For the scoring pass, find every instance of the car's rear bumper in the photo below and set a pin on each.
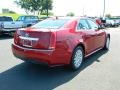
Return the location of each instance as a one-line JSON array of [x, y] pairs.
[[7, 30], [34, 55]]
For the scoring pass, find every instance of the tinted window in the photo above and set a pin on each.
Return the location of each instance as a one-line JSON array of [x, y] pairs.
[[21, 18], [6, 19], [50, 23], [28, 18], [34, 17], [82, 24], [92, 24], [31, 18]]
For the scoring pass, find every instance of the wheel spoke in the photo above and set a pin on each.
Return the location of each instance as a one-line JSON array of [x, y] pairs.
[[78, 58]]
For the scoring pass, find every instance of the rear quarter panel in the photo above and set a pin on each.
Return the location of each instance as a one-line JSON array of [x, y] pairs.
[[66, 42]]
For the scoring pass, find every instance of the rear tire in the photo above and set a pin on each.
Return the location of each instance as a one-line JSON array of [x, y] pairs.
[[77, 58]]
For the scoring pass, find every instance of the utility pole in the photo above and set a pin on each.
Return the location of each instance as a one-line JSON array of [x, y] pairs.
[[104, 7], [83, 11]]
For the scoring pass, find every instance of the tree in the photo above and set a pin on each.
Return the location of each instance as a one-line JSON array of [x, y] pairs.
[[45, 13], [35, 5], [108, 15], [70, 14], [12, 12], [46, 6]]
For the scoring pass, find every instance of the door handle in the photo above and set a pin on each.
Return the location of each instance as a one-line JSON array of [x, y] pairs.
[[90, 35], [93, 34]]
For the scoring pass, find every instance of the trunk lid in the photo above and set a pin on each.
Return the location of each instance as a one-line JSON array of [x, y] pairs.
[[36, 38]]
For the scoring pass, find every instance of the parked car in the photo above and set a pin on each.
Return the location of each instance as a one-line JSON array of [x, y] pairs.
[[7, 25], [28, 20], [112, 22], [60, 41]]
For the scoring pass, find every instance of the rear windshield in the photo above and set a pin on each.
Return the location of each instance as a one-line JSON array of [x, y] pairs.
[[6, 19], [51, 23]]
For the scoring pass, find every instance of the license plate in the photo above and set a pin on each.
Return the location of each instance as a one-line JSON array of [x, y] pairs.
[[27, 43]]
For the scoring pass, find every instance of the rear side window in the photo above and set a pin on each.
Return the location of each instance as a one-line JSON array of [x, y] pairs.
[[82, 24], [6, 19], [51, 23], [28, 18], [34, 17]]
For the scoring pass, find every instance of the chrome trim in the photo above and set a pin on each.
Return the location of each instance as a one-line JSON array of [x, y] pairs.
[[28, 38], [28, 46], [34, 49], [93, 52]]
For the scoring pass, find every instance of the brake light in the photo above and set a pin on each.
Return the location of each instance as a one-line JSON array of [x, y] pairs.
[[52, 40]]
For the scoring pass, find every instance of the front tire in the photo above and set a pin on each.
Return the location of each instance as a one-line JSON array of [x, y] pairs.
[[107, 43], [77, 58]]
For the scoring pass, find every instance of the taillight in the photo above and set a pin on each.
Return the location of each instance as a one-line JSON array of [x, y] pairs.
[[16, 36], [52, 40]]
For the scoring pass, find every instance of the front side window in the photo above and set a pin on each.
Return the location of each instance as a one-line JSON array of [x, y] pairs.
[[82, 24], [50, 23], [92, 24], [28, 18], [21, 18]]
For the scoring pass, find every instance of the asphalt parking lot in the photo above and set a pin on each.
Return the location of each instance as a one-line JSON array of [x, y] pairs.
[[101, 71]]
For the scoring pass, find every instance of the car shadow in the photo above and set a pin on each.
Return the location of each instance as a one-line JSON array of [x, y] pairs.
[[38, 77], [5, 36]]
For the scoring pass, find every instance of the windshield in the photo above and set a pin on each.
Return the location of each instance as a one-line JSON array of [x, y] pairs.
[[50, 23]]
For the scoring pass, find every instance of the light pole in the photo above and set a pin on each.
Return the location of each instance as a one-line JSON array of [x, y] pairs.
[[47, 7]]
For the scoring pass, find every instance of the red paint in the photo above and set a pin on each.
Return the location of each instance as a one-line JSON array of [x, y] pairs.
[[55, 47]]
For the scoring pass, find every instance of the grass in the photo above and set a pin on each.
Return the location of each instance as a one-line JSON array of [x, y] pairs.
[[14, 16]]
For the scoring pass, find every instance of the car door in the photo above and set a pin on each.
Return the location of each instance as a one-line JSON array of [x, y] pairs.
[[87, 35], [99, 34]]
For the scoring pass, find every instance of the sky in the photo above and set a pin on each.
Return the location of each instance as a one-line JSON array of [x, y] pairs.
[[78, 7]]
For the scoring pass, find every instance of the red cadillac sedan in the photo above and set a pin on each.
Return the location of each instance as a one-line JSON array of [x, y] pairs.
[[60, 41]]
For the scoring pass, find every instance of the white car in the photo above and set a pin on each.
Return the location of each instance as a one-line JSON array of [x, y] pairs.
[[112, 23], [8, 26]]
